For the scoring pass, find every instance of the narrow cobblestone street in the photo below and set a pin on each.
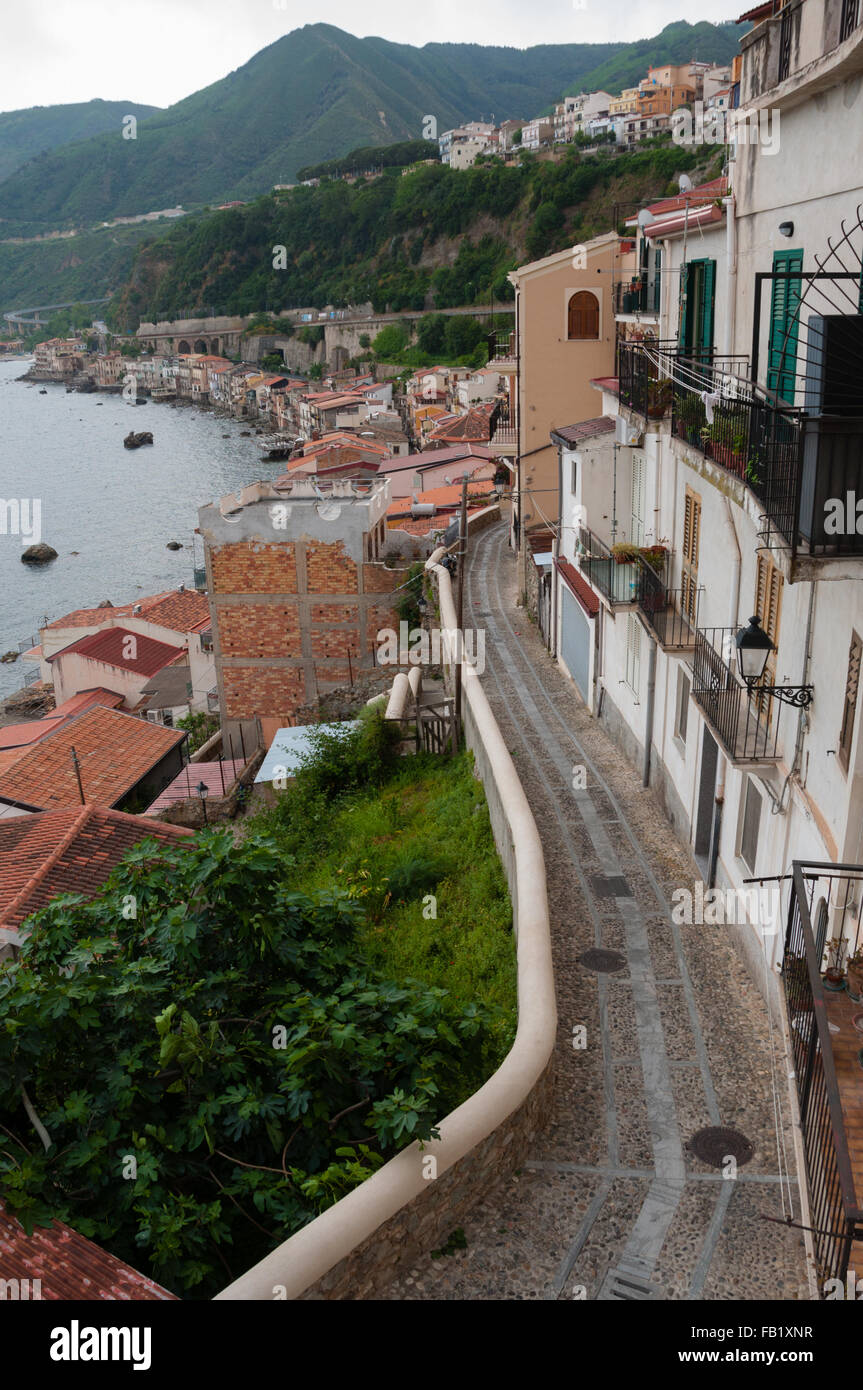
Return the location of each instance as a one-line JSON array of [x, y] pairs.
[[611, 1204]]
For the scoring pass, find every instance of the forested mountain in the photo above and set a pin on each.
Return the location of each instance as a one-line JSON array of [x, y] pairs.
[[25, 134], [311, 96], [436, 238]]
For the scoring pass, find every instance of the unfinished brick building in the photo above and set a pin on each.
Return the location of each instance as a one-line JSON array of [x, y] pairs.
[[298, 591]]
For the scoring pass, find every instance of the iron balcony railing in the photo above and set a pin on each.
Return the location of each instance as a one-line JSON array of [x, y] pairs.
[[747, 724], [502, 424], [825, 902], [849, 19], [644, 385], [503, 347], [616, 578], [666, 609], [637, 296], [799, 466]]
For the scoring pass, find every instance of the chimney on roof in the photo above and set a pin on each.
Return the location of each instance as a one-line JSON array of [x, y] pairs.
[[181, 588], [136, 607]]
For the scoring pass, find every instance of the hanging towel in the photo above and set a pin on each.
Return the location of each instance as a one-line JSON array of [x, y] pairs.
[[710, 399]]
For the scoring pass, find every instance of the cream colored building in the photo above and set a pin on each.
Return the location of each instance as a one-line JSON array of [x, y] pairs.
[[564, 339]]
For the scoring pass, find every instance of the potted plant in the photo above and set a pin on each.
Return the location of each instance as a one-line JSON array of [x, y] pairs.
[[796, 973], [854, 975], [625, 552], [655, 556], [690, 418], [834, 975], [658, 398]]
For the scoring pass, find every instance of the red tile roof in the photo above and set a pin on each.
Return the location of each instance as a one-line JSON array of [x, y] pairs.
[[86, 699], [714, 188], [114, 752], [22, 735], [178, 611], [124, 649], [585, 429], [171, 609], [69, 1266], [475, 425], [580, 587], [70, 851]]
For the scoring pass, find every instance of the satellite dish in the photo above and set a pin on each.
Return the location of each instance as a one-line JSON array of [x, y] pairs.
[[645, 217], [684, 183]]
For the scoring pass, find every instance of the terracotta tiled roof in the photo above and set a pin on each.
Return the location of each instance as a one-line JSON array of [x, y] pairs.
[[22, 735], [585, 429], [71, 851], [715, 188], [475, 424], [69, 1266], [89, 617], [580, 587], [178, 611], [171, 608], [86, 699], [111, 645], [114, 752]]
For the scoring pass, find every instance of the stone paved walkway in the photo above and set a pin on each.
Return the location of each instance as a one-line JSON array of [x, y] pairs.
[[676, 1041]]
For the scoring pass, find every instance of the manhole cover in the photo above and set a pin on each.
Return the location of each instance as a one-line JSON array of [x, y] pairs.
[[610, 886], [716, 1144], [604, 962]]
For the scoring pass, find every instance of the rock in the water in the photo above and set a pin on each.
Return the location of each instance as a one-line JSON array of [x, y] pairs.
[[134, 441], [245, 433], [38, 554], [173, 545], [9, 656]]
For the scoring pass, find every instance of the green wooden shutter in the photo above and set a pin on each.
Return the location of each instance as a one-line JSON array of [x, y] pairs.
[[657, 281], [705, 314], [784, 309]]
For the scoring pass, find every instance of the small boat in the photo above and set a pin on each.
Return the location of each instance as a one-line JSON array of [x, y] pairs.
[[44, 391]]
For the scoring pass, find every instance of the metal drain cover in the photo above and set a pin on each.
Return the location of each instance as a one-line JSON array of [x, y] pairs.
[[610, 886], [603, 962], [716, 1144]]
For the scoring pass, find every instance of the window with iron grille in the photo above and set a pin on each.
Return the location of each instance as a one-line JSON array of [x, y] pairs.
[[849, 708], [849, 20], [785, 44], [751, 824]]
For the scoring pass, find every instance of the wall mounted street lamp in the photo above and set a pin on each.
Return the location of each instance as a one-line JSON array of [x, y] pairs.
[[786, 228], [203, 792], [753, 648]]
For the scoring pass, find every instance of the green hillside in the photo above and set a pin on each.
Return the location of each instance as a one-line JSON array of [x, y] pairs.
[[677, 43], [69, 269], [25, 134], [436, 238], [311, 96]]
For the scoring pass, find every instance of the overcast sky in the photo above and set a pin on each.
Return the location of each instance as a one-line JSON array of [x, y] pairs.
[[158, 51]]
